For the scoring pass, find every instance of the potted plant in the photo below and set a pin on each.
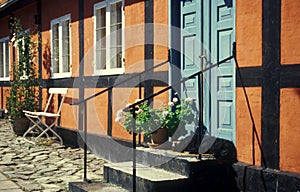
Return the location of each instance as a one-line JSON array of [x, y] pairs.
[[24, 84], [160, 123]]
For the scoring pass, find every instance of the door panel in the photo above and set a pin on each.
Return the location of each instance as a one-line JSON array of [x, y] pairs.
[[223, 89], [208, 27], [190, 48]]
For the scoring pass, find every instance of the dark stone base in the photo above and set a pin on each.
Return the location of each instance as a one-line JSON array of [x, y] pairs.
[[248, 178], [256, 179]]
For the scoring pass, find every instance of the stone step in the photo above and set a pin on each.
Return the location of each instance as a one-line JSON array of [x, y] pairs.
[[168, 160], [94, 186], [148, 179]]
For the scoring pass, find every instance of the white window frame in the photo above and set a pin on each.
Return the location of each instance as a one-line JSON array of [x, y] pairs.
[[59, 22], [108, 71], [5, 78]]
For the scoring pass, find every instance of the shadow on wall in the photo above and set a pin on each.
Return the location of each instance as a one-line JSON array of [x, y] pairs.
[[47, 68], [47, 59]]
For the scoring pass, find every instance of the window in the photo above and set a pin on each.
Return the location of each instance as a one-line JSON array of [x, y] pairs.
[[4, 58], [108, 17], [60, 47]]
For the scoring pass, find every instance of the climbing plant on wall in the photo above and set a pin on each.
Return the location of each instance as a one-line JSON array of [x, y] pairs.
[[23, 93]]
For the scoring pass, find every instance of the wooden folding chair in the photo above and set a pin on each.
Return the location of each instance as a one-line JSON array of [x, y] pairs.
[[39, 118]]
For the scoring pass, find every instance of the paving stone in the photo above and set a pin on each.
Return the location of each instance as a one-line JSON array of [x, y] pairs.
[[3, 145], [40, 158], [7, 162], [43, 167], [47, 170], [8, 185]]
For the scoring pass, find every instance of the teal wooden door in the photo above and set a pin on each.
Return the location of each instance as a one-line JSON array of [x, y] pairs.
[[223, 77], [190, 44], [190, 48], [208, 28]]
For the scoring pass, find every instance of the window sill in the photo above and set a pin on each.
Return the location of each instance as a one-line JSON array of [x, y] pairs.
[[61, 75], [4, 79], [107, 72]]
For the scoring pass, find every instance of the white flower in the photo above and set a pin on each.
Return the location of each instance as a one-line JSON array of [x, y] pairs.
[[24, 77], [175, 100], [5, 111], [120, 115], [171, 104], [139, 111], [118, 119], [165, 113]]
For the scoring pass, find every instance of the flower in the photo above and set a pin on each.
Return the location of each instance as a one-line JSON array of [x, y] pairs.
[[175, 100], [171, 104], [173, 117], [120, 115], [139, 111], [165, 113]]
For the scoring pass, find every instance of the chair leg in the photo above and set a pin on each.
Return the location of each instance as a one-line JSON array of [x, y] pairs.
[[35, 120], [49, 128]]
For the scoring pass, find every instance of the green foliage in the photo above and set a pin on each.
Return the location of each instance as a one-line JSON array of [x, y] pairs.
[[24, 86], [178, 115], [175, 116]]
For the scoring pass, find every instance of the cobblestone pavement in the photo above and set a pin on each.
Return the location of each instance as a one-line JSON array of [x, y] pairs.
[[45, 166]]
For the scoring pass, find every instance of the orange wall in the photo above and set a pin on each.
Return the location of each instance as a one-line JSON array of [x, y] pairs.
[[289, 130], [249, 54], [244, 124], [249, 32], [161, 32], [290, 36], [134, 36], [289, 97], [3, 1]]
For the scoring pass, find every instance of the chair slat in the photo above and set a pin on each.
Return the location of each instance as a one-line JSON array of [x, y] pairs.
[[58, 90]]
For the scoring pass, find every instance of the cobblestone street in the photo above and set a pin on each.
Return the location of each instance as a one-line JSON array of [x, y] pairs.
[[44, 166]]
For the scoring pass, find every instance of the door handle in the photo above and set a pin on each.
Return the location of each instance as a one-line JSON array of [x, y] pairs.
[[204, 59]]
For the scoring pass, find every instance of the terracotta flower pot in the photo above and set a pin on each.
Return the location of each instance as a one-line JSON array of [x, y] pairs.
[[160, 136], [20, 125]]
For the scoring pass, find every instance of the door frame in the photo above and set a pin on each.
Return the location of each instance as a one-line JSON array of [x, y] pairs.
[[174, 14]]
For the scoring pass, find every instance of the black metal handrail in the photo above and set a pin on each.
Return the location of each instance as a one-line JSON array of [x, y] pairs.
[[177, 83], [120, 83], [183, 80], [100, 93], [132, 107]]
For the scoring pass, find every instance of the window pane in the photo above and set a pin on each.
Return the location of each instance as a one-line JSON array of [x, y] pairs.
[[116, 35], [116, 13], [65, 46], [101, 18], [1, 59], [116, 57], [101, 59], [101, 38], [6, 59], [55, 48]]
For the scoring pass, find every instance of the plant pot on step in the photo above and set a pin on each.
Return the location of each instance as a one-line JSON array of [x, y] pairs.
[[20, 125], [160, 136]]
